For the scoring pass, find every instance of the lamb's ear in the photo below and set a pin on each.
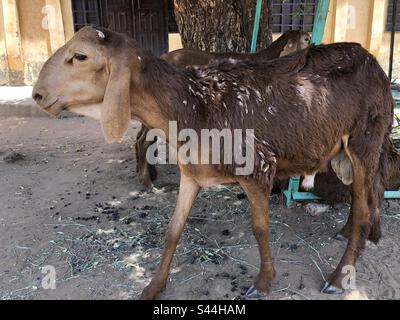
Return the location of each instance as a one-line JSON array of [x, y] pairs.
[[115, 111]]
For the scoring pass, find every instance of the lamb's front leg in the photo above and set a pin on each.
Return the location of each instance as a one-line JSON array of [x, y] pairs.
[[188, 192], [259, 198]]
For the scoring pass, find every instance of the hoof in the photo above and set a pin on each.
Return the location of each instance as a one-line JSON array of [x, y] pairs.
[[340, 237], [153, 173], [147, 296], [150, 294], [153, 290], [145, 181], [145, 187], [253, 293], [331, 289]]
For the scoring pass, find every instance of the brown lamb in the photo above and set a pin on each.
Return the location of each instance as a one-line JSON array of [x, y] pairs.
[[305, 109]]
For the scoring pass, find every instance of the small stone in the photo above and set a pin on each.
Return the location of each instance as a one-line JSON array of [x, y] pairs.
[[134, 195], [12, 157], [243, 269], [316, 209], [116, 245], [143, 215], [241, 196]]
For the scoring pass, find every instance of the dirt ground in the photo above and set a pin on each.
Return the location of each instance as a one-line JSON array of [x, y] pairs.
[[74, 203]]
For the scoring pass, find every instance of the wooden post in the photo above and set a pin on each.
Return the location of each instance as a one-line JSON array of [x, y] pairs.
[[12, 37], [340, 20], [320, 21], [377, 26], [68, 19], [256, 29], [392, 38], [4, 72], [55, 24]]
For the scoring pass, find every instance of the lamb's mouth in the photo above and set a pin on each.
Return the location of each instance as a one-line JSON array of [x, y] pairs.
[[88, 110], [92, 110], [54, 108], [50, 105]]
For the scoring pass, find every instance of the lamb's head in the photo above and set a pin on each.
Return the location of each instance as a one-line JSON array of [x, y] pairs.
[[92, 75], [296, 40]]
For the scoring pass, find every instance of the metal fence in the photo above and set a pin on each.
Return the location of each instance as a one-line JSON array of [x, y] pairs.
[[293, 15]]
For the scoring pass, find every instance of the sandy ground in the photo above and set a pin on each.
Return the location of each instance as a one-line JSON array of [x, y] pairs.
[[74, 203]]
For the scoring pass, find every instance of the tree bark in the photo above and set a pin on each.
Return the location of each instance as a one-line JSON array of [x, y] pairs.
[[221, 25]]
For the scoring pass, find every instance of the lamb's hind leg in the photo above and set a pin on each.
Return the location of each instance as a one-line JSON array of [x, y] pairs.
[[345, 232], [259, 199], [360, 225], [187, 194], [375, 200], [375, 203]]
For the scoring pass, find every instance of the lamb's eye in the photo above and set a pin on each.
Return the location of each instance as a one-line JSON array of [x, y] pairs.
[[80, 57]]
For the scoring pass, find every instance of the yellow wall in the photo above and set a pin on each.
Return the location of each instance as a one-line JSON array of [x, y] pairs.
[[3, 52], [68, 20], [175, 41], [26, 40], [25, 44]]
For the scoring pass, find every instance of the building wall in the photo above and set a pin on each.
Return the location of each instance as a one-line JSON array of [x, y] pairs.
[[26, 41], [30, 31], [175, 41]]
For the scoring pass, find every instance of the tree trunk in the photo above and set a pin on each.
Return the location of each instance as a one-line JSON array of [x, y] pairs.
[[221, 25]]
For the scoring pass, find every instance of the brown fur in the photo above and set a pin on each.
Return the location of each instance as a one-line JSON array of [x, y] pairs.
[[301, 107], [287, 43]]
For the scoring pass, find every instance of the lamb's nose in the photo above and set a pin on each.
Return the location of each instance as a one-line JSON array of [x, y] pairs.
[[37, 97]]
